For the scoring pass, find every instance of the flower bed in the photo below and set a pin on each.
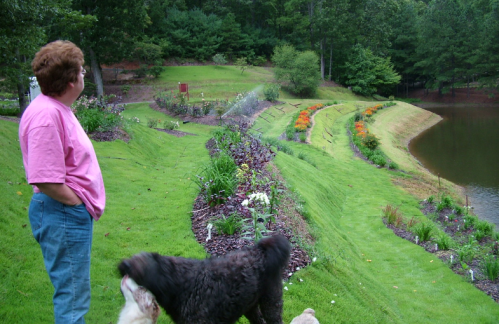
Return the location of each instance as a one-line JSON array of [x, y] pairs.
[[302, 122], [366, 142]]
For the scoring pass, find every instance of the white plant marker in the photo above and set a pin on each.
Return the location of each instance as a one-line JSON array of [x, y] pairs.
[[436, 247], [209, 227], [472, 278], [417, 240], [451, 259]]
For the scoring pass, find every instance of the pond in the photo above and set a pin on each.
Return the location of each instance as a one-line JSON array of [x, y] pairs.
[[464, 148]]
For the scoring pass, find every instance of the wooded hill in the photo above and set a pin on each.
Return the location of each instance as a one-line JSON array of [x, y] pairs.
[[441, 44]]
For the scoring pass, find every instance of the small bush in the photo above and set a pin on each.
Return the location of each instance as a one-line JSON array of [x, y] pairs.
[[370, 141], [152, 122], [423, 231], [485, 227], [444, 241], [10, 109], [156, 71], [303, 137], [490, 266], [228, 225], [219, 59], [378, 160], [392, 165], [271, 91], [391, 213], [171, 125], [445, 202], [430, 199], [218, 179]]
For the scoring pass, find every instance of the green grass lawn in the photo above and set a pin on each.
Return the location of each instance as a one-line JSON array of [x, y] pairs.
[[372, 275]]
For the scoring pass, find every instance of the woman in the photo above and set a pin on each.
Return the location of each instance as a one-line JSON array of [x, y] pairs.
[[61, 164]]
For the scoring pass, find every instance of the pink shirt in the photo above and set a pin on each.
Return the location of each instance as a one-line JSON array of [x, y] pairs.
[[56, 149]]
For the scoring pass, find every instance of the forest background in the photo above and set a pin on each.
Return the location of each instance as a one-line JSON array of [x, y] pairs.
[[438, 44]]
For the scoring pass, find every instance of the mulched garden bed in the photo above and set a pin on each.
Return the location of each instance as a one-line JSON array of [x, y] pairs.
[[456, 230]]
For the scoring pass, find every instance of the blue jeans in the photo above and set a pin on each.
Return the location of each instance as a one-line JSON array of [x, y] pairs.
[[65, 237]]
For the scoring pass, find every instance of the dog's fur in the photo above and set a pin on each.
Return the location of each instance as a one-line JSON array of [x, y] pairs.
[[216, 290], [140, 305], [307, 317]]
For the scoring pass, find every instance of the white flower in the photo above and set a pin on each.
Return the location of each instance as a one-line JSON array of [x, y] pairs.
[[285, 288], [332, 301], [301, 280], [245, 202], [314, 259]]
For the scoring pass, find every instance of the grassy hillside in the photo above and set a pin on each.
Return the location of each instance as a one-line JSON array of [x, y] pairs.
[[363, 272]]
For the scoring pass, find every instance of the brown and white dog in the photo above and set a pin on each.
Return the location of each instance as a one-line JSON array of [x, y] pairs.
[[140, 305]]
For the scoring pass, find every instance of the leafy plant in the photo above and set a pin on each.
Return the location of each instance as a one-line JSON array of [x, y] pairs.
[[152, 122], [423, 230], [218, 181], [271, 91], [370, 141], [445, 202], [490, 266], [156, 71], [228, 225], [219, 59], [125, 89], [391, 213], [444, 241], [258, 219]]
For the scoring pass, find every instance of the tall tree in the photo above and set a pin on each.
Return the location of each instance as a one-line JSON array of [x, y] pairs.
[[112, 36], [23, 25]]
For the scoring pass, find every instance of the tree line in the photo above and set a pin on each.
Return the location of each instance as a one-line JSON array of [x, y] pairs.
[[370, 45]]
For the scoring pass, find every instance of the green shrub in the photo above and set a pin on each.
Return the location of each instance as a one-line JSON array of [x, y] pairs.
[[370, 141], [156, 71], [219, 59], [391, 213], [466, 253], [170, 124], [485, 227], [152, 122], [392, 165], [490, 267], [228, 225], [430, 199], [378, 159], [10, 109], [303, 137], [142, 71], [445, 202], [470, 221], [444, 241], [423, 231], [218, 179], [271, 91], [259, 61]]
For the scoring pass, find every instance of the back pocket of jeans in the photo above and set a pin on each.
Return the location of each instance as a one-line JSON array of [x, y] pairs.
[[35, 213]]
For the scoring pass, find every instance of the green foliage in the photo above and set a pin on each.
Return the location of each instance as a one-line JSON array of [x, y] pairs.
[[228, 225], [297, 71], [218, 179], [391, 214], [242, 64], [9, 109], [156, 71], [271, 91], [152, 122], [444, 241], [490, 267], [147, 52], [125, 88], [445, 202], [367, 73], [423, 230], [370, 141], [96, 114], [170, 124], [219, 59]]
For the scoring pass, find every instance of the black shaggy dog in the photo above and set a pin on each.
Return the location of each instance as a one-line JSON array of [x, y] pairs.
[[216, 290]]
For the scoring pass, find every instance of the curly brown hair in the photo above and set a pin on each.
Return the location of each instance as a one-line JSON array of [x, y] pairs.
[[57, 64]]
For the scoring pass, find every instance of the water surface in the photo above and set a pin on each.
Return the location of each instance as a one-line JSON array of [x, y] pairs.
[[464, 148]]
